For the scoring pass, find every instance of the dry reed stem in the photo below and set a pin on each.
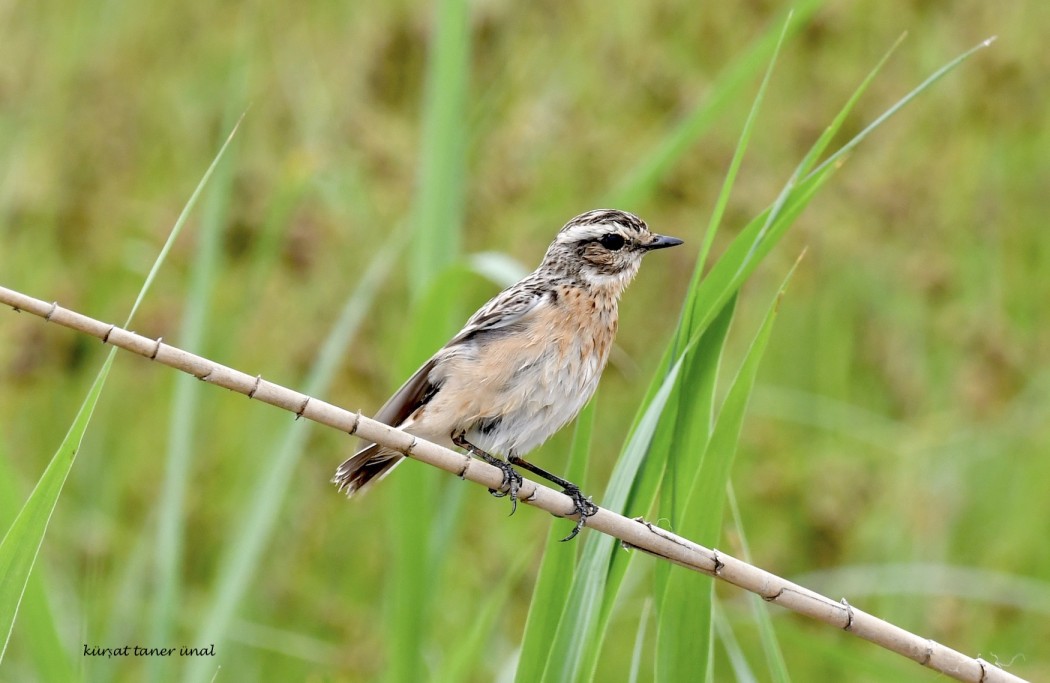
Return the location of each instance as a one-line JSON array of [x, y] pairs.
[[633, 533]]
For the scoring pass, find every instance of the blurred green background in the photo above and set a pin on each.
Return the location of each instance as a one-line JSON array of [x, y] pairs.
[[896, 449]]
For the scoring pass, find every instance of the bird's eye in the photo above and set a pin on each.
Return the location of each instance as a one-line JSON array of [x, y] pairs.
[[612, 241]]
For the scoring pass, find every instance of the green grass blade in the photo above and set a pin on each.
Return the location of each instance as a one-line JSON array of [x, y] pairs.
[[36, 615], [575, 639], [416, 539], [696, 414], [633, 486], [639, 185], [643, 485], [915, 92], [23, 539], [639, 641], [746, 251], [176, 230], [687, 601], [696, 408], [763, 232], [555, 577], [652, 473], [124, 608], [21, 544], [737, 660], [734, 165], [462, 652], [252, 531], [436, 245], [814, 153], [683, 445], [778, 671], [439, 204], [170, 530]]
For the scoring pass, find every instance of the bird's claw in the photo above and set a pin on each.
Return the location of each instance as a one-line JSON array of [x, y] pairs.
[[583, 507], [510, 485], [511, 479]]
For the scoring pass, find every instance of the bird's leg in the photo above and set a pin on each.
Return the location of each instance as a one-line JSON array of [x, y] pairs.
[[511, 479], [584, 507]]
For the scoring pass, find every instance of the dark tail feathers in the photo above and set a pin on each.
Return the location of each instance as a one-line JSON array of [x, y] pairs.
[[367, 465]]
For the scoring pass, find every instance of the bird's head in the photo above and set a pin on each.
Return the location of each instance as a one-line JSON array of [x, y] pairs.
[[604, 248]]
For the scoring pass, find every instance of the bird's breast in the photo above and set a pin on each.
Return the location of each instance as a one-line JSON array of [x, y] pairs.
[[512, 391]]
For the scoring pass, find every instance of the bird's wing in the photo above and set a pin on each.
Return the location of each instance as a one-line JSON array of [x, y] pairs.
[[372, 462], [504, 310], [507, 308], [416, 391]]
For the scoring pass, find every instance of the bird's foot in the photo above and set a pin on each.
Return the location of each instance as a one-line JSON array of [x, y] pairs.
[[512, 480], [583, 507], [510, 485]]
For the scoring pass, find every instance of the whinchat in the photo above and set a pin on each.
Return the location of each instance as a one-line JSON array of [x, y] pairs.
[[526, 363]]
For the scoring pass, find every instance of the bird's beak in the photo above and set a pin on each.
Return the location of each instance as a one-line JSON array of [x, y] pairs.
[[662, 242]]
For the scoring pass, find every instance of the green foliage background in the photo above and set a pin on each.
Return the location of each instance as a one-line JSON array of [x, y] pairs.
[[895, 449]]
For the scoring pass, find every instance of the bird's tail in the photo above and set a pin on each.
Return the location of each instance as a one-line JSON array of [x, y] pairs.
[[365, 467]]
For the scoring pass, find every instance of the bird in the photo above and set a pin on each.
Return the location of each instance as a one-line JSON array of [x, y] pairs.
[[524, 364]]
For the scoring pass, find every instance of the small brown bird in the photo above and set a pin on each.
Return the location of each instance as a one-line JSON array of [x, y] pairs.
[[526, 363]]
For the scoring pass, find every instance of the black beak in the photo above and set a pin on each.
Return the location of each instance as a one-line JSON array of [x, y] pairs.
[[662, 242]]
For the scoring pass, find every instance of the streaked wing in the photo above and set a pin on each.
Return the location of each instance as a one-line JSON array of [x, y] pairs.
[[504, 310], [416, 391], [507, 308]]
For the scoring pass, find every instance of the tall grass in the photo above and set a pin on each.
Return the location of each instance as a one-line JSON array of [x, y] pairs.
[[21, 543], [691, 442], [437, 224]]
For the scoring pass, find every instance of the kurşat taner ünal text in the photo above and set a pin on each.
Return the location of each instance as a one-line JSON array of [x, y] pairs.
[[137, 651]]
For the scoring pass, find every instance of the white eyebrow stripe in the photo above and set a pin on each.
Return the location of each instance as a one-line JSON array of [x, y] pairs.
[[591, 231]]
